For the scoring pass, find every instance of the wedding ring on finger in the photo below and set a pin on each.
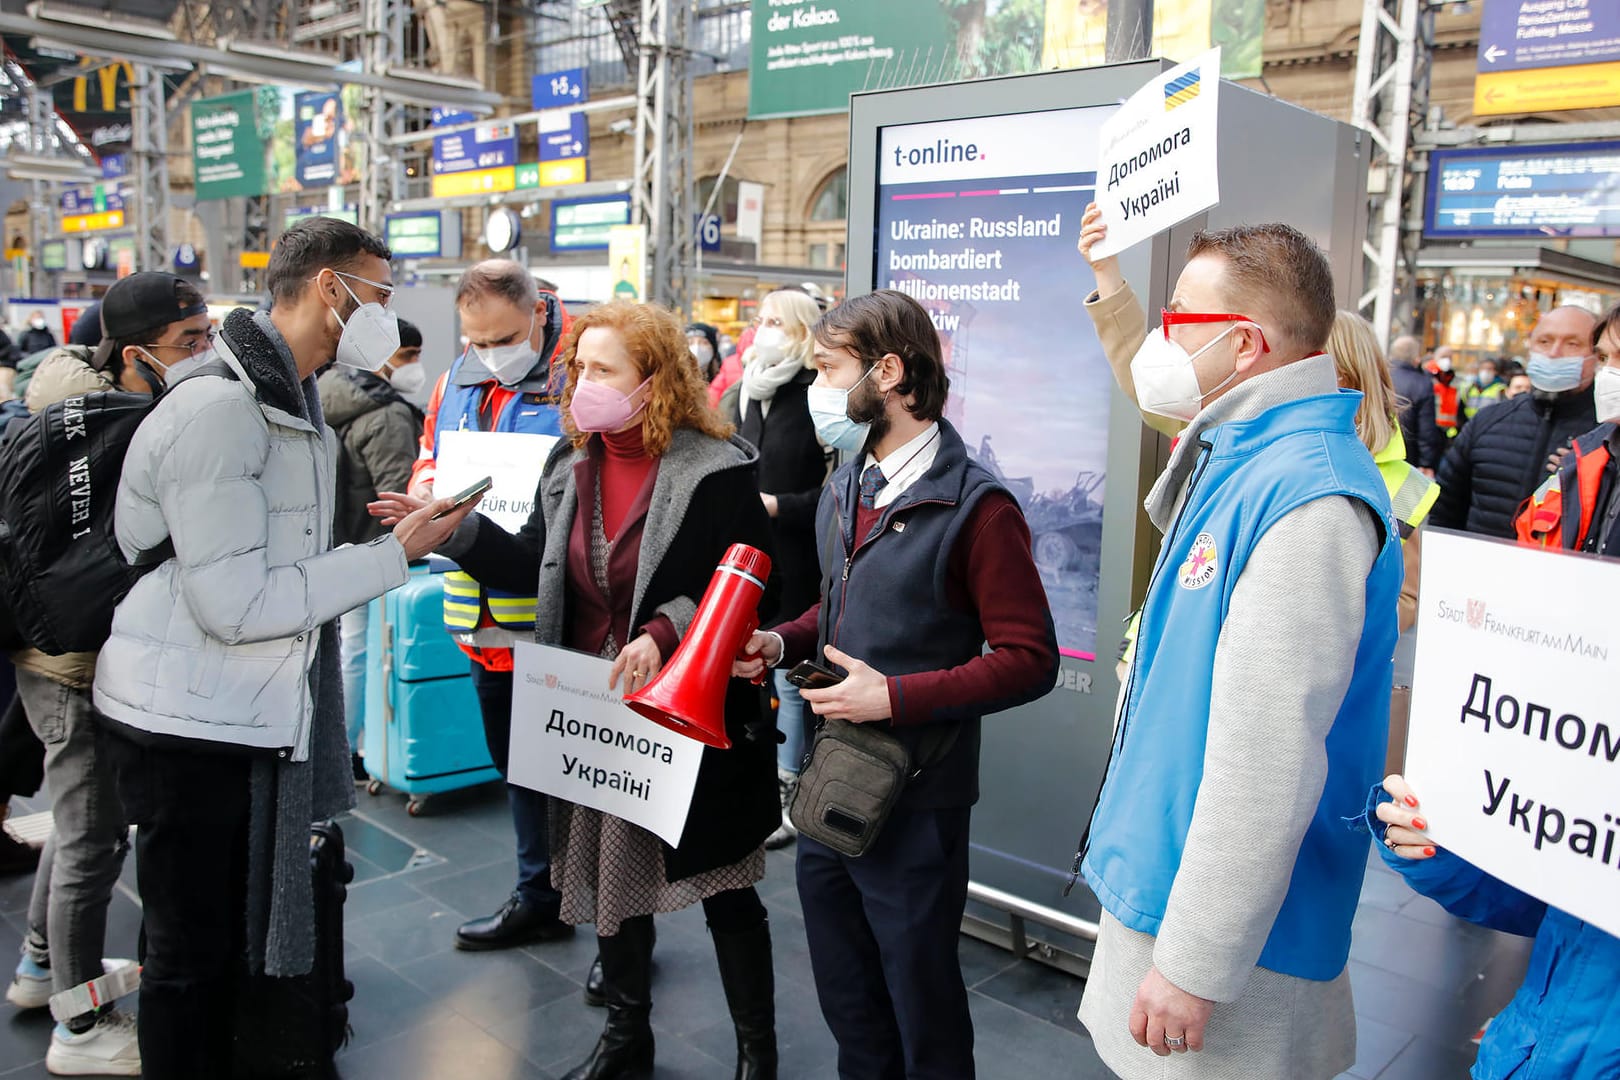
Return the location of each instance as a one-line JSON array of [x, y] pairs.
[[1389, 841], [1176, 1042]]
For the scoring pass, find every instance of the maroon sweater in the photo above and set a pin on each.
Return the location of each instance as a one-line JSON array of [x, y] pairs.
[[982, 577], [621, 465]]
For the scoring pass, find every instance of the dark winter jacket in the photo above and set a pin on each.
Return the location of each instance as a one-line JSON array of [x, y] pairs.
[[1500, 458], [377, 430], [1424, 441], [793, 467], [36, 340], [705, 499]]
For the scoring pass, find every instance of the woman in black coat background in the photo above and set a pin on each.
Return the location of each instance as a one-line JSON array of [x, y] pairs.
[[773, 415]]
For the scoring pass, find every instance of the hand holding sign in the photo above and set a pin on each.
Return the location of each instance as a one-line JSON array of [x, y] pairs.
[[1094, 230], [1405, 835]]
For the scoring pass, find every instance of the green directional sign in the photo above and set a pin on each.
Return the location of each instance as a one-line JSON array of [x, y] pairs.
[[528, 176]]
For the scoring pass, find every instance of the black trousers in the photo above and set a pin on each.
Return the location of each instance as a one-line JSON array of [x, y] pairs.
[[883, 933], [529, 815], [191, 854]]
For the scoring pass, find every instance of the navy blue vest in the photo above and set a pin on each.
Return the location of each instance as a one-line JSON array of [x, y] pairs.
[[885, 599]]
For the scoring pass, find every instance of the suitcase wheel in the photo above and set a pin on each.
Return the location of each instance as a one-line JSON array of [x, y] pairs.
[[374, 787], [416, 807]]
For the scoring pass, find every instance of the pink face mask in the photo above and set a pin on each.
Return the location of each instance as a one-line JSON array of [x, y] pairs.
[[599, 407]]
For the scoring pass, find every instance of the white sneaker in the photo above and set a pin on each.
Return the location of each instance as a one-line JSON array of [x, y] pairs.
[[108, 1049], [31, 986]]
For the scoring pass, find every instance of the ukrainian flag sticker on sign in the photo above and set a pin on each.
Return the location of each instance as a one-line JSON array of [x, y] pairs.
[[1182, 90]]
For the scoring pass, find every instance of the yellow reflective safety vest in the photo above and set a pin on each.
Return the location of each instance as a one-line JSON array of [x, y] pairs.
[[1411, 494], [520, 411], [1483, 397]]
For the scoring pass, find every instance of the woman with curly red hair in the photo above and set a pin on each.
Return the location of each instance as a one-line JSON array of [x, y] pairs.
[[634, 510]]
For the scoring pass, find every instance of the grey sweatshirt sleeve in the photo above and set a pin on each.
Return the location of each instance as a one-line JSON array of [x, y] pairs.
[[1296, 613]]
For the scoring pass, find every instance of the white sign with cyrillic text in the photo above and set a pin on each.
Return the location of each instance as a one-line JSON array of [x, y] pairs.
[[1158, 164], [512, 458], [572, 737], [1514, 744]]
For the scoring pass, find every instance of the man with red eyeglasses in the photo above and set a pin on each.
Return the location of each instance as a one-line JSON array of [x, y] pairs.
[[1256, 706]]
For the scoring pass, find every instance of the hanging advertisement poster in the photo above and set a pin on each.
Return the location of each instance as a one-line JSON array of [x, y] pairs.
[[810, 55], [1076, 33], [627, 259], [232, 143], [317, 137], [978, 221]]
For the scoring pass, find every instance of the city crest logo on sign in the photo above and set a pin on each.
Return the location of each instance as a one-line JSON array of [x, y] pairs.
[[1201, 565], [551, 682], [1476, 614]]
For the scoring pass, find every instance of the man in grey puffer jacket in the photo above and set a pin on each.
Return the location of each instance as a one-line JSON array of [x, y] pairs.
[[222, 671]]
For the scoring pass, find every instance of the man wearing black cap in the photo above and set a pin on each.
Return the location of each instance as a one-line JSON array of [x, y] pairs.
[[153, 322]]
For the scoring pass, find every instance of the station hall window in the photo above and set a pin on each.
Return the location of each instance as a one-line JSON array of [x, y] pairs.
[[725, 207], [832, 199]]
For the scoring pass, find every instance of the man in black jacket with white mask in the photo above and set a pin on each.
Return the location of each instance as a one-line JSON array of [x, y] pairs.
[[1502, 456]]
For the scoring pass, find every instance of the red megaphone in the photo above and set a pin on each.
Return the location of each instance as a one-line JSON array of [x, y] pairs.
[[689, 695]]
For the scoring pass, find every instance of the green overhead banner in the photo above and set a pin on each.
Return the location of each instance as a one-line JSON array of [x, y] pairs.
[[233, 143], [810, 55]]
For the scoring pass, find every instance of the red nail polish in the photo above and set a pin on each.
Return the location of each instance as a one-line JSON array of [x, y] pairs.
[[1411, 800], [1428, 851], [1419, 823]]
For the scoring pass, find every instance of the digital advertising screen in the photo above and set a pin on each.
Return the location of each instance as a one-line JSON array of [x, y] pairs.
[[978, 220]]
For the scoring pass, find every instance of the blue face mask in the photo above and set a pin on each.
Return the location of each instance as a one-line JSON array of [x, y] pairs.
[[1555, 374], [829, 412]]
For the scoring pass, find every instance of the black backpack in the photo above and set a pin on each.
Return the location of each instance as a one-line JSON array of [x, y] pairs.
[[61, 571]]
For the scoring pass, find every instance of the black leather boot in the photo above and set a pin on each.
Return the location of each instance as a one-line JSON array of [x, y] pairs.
[[593, 979], [750, 984], [625, 1050]]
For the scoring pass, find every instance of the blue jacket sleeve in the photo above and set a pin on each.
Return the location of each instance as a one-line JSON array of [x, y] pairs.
[[1459, 886]]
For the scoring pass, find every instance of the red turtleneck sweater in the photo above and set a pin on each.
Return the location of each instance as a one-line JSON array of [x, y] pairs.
[[625, 467]]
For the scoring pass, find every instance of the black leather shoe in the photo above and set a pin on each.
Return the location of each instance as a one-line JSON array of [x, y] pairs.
[[517, 923]]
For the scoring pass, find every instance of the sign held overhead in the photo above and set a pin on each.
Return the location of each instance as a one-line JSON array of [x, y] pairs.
[[1158, 162]]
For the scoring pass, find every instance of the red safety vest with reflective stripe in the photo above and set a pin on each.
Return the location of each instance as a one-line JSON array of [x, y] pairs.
[[1559, 514]]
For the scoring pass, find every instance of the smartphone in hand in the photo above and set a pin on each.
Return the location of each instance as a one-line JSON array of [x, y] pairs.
[[467, 496], [813, 676]]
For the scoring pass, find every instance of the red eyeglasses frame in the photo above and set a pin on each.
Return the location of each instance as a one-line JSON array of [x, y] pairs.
[[1168, 318]]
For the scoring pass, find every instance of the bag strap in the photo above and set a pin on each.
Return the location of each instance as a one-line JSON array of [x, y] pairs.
[[827, 578], [938, 739]]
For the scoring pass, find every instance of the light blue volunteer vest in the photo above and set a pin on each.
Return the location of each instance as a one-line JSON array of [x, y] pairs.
[[1250, 474]]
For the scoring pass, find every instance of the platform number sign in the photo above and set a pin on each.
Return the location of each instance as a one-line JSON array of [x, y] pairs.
[[708, 231], [554, 89]]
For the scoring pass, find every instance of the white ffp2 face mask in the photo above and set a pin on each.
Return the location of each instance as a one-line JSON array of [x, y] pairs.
[[408, 378], [1165, 379], [509, 363], [1606, 394], [370, 334]]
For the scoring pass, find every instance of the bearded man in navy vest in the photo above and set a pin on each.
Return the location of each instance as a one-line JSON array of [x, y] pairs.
[[925, 560], [1256, 712]]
